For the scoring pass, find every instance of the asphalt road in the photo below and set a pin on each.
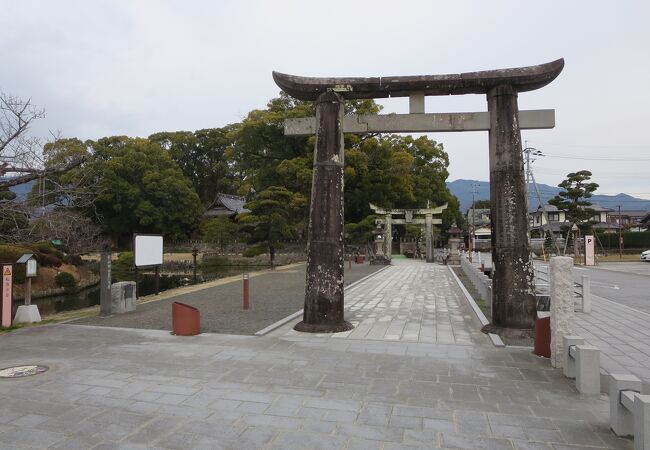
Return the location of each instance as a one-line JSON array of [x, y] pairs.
[[274, 295], [627, 283]]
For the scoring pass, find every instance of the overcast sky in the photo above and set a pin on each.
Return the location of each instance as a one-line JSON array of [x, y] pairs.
[[133, 68]]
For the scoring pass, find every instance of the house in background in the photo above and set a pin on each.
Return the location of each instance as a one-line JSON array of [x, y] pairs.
[[480, 228], [631, 219], [557, 219], [226, 205], [645, 222]]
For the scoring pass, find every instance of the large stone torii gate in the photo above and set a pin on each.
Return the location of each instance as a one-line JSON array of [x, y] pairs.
[[513, 295]]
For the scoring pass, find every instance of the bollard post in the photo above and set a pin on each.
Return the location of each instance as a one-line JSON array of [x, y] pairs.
[[586, 294], [588, 369], [621, 420], [350, 262], [246, 300], [569, 363]]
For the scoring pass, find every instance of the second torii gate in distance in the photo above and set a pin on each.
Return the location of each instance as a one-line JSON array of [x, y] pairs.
[[409, 214], [513, 302]]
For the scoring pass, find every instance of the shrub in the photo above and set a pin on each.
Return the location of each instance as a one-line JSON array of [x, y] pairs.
[[11, 253], [75, 260], [65, 280], [124, 262], [255, 251]]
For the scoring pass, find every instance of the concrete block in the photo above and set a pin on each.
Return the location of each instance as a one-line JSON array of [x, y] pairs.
[[27, 314], [621, 420], [642, 422], [122, 297], [588, 369], [568, 363], [562, 305]]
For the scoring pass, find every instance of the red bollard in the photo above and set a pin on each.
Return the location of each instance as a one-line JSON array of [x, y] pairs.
[[186, 320], [246, 302], [543, 335]]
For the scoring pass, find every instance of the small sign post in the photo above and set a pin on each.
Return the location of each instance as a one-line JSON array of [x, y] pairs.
[[7, 286], [590, 259], [148, 252]]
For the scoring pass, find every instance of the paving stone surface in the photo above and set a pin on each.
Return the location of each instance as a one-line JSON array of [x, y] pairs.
[[389, 384], [621, 333], [116, 388], [410, 301]]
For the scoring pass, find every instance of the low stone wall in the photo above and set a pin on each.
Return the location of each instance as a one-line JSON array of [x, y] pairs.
[[481, 282]]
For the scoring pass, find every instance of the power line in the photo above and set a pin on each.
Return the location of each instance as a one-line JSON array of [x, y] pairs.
[[595, 158], [613, 146]]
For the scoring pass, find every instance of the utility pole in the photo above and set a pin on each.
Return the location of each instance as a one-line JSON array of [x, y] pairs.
[[620, 234], [472, 230]]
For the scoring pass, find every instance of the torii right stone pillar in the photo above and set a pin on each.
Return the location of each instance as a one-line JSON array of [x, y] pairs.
[[513, 297]]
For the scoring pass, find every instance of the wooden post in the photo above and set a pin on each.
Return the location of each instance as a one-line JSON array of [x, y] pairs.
[[105, 283], [513, 298], [157, 280], [28, 291], [323, 311]]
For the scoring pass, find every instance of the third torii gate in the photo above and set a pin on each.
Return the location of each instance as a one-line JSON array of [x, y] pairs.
[[513, 295], [409, 214]]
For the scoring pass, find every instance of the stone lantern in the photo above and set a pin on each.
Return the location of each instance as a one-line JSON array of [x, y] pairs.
[[454, 242], [379, 241]]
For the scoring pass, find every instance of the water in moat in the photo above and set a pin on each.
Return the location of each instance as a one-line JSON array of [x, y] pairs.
[[84, 298]]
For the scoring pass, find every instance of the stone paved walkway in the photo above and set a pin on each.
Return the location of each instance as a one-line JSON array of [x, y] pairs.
[[410, 301], [115, 388], [118, 388], [621, 333]]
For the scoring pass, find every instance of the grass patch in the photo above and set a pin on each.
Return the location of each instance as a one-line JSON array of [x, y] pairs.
[[528, 342], [26, 325]]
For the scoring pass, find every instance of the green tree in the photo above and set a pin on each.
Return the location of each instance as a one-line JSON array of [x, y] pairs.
[[483, 204], [220, 229], [270, 220], [201, 157], [141, 189], [574, 201]]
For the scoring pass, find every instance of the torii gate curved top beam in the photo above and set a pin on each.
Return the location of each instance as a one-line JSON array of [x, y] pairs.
[[522, 79]]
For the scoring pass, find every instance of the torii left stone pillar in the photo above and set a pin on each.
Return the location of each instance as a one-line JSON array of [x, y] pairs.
[[323, 310]]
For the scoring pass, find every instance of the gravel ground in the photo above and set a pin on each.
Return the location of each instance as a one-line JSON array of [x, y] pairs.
[[274, 295]]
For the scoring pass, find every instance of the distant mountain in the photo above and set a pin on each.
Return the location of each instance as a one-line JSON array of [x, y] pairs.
[[462, 189]]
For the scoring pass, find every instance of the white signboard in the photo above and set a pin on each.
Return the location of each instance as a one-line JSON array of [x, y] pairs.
[[148, 250], [590, 260], [30, 270]]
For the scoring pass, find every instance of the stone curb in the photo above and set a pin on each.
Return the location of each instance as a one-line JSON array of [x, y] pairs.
[[281, 322], [496, 339]]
